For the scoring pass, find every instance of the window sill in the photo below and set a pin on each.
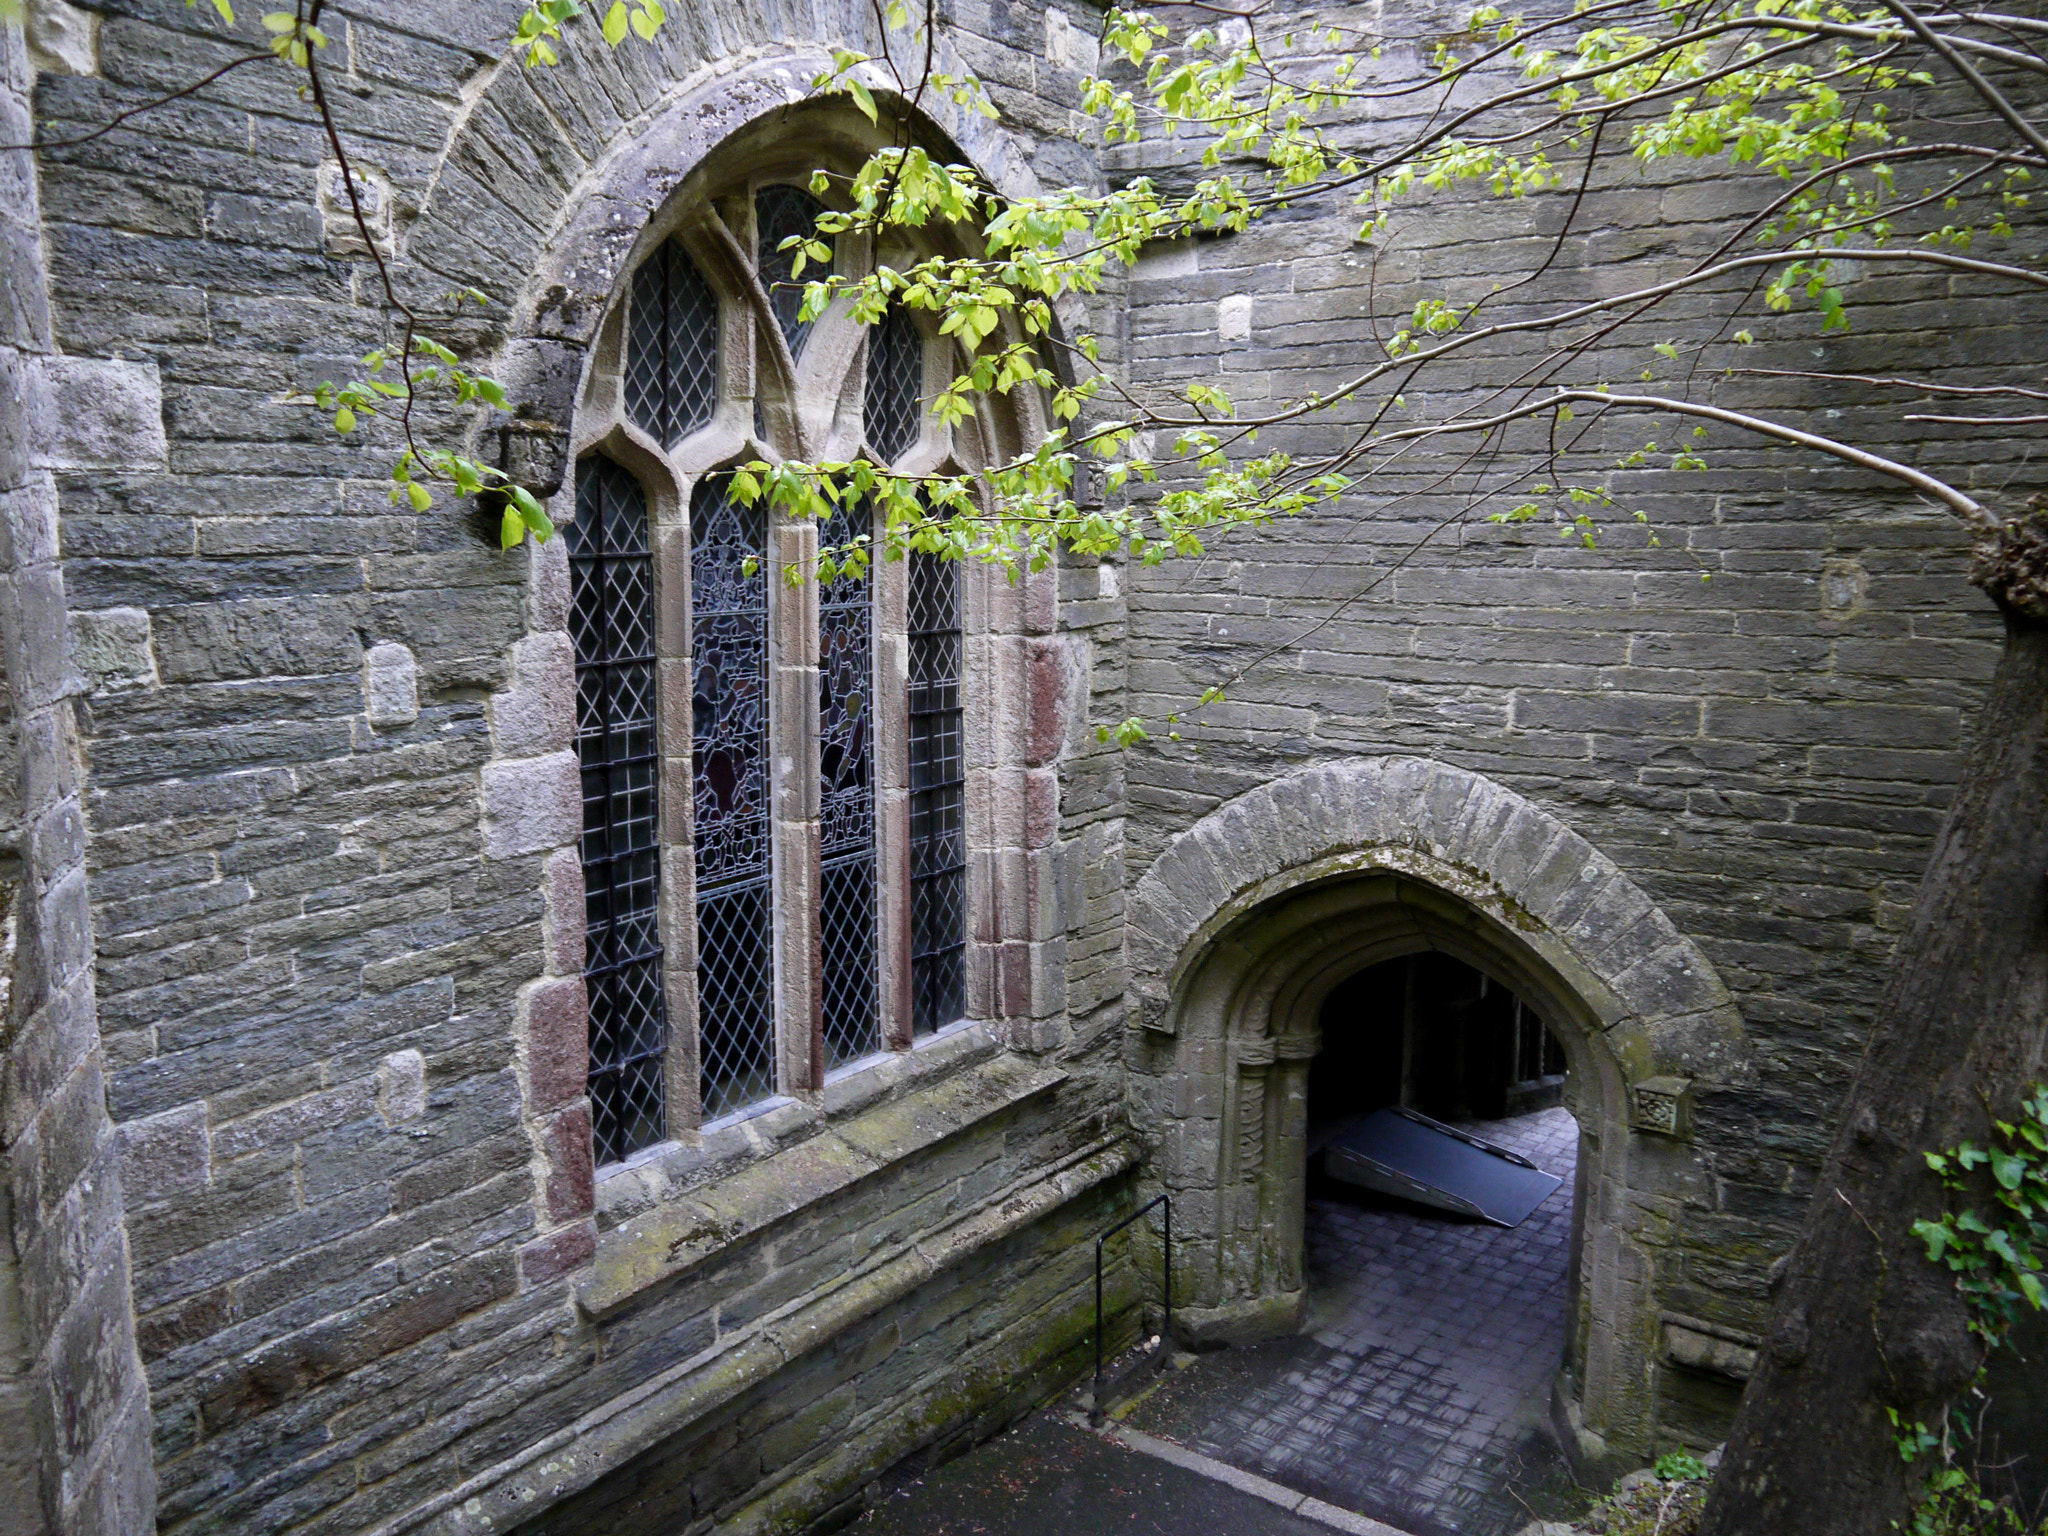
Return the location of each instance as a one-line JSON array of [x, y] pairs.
[[669, 1170], [676, 1236]]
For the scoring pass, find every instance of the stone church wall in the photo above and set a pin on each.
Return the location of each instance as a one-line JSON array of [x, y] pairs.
[[74, 1411], [1767, 752], [326, 812], [377, 1284]]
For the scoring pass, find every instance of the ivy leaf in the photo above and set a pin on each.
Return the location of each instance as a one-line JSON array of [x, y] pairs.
[[1935, 1235], [511, 529], [615, 23], [420, 497]]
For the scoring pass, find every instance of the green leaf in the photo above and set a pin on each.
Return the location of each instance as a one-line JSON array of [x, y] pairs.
[[615, 23], [344, 420], [511, 529], [862, 98], [531, 513], [420, 497], [1935, 1236]]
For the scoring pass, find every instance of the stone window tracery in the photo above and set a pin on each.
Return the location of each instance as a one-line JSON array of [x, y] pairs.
[[792, 893]]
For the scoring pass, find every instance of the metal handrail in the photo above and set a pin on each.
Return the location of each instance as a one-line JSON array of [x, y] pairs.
[[1095, 1412]]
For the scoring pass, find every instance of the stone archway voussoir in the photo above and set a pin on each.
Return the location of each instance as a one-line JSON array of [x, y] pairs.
[[1482, 842]]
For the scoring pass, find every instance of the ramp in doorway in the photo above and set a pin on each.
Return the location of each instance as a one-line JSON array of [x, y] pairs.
[[1399, 1152]]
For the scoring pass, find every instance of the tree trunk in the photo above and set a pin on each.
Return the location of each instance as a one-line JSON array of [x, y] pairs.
[[1862, 1321]]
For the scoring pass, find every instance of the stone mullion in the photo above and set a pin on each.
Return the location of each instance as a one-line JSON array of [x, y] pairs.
[[793, 758], [984, 681], [671, 543], [891, 717]]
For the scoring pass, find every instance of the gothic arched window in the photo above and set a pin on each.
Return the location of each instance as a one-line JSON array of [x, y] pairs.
[[777, 777]]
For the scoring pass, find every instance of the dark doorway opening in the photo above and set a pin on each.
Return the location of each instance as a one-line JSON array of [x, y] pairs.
[[1430, 1033], [1417, 1391]]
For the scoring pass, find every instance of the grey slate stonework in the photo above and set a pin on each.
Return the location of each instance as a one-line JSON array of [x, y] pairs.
[[293, 1112], [74, 1409]]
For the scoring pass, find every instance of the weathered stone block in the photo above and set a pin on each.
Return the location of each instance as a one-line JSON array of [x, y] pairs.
[[557, 1020], [391, 685], [537, 715], [62, 39], [28, 513], [562, 893], [97, 413], [571, 1191], [111, 648], [164, 1153], [547, 1259], [532, 804], [402, 1087]]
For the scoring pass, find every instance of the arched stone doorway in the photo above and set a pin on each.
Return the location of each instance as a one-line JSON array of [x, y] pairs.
[[1242, 928]]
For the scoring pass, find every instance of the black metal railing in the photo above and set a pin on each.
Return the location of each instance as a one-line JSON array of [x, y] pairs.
[[1095, 1408]]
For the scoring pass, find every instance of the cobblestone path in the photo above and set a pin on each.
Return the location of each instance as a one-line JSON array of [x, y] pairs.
[[1415, 1391]]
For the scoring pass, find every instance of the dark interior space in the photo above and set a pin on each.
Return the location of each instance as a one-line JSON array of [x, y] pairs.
[[1433, 1034]]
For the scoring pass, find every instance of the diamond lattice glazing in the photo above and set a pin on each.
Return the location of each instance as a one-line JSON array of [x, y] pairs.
[[895, 386], [938, 787], [847, 800], [729, 718], [779, 213], [612, 623], [671, 373]]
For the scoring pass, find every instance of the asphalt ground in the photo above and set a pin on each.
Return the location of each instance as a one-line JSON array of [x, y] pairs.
[[1049, 1477]]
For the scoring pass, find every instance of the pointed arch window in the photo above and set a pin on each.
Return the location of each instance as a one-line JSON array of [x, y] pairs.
[[611, 623], [672, 350], [780, 213], [729, 782], [776, 775], [847, 898], [892, 405], [938, 797]]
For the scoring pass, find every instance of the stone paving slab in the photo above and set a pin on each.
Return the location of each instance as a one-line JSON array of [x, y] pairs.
[[1416, 1391]]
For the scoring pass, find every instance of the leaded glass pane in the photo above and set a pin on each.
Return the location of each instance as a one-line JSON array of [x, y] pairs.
[[729, 719], [938, 797], [671, 346], [895, 385], [780, 212], [847, 801], [611, 620]]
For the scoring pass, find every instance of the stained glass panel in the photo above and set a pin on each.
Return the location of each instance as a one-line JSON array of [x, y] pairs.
[[780, 212], [612, 624], [895, 386], [938, 790], [671, 372], [729, 717], [847, 801]]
